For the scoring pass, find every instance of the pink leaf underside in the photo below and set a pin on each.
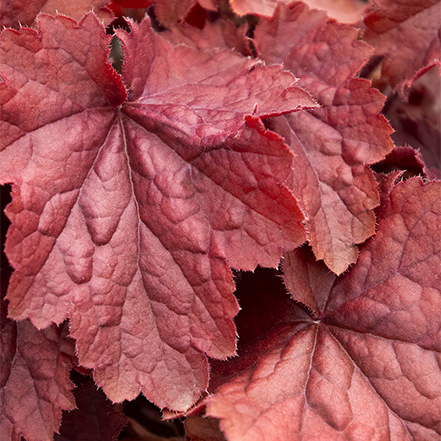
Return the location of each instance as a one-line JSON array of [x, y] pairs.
[[366, 364], [408, 34], [124, 213], [219, 34], [94, 419], [345, 11], [34, 381], [334, 144], [16, 13]]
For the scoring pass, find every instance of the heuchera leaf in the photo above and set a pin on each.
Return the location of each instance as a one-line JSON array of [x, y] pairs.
[[34, 380], [345, 11], [364, 363], [171, 11], [15, 13], [125, 211], [333, 144], [402, 158], [417, 120], [219, 34], [413, 27]]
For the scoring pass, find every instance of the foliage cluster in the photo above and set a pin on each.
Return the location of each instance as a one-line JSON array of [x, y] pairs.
[[209, 205]]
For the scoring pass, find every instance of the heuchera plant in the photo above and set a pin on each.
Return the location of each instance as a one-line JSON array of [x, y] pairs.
[[225, 223]]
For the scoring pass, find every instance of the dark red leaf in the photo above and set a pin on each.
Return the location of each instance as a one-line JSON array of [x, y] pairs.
[[366, 363], [333, 144], [408, 34], [417, 121], [125, 213], [402, 158]]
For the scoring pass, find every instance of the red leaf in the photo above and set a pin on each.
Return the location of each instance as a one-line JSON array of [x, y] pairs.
[[219, 34], [402, 158], [333, 144], [34, 380], [366, 362], [171, 11], [15, 13], [408, 34], [417, 121], [124, 213]]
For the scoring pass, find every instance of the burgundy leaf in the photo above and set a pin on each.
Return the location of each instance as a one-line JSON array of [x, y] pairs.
[[333, 144], [15, 13], [417, 121], [402, 158], [125, 213], [408, 34], [34, 380], [366, 363]]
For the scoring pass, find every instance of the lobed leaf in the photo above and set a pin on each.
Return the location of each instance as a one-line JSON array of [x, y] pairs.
[[334, 144], [221, 34], [172, 11], [345, 11], [34, 382], [417, 121], [17, 13], [365, 360], [126, 211], [408, 34]]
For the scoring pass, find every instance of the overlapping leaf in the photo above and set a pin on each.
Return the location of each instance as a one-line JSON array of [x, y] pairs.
[[125, 211], [219, 34], [34, 381], [345, 11], [417, 121], [408, 34], [169, 12], [365, 362], [335, 143]]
